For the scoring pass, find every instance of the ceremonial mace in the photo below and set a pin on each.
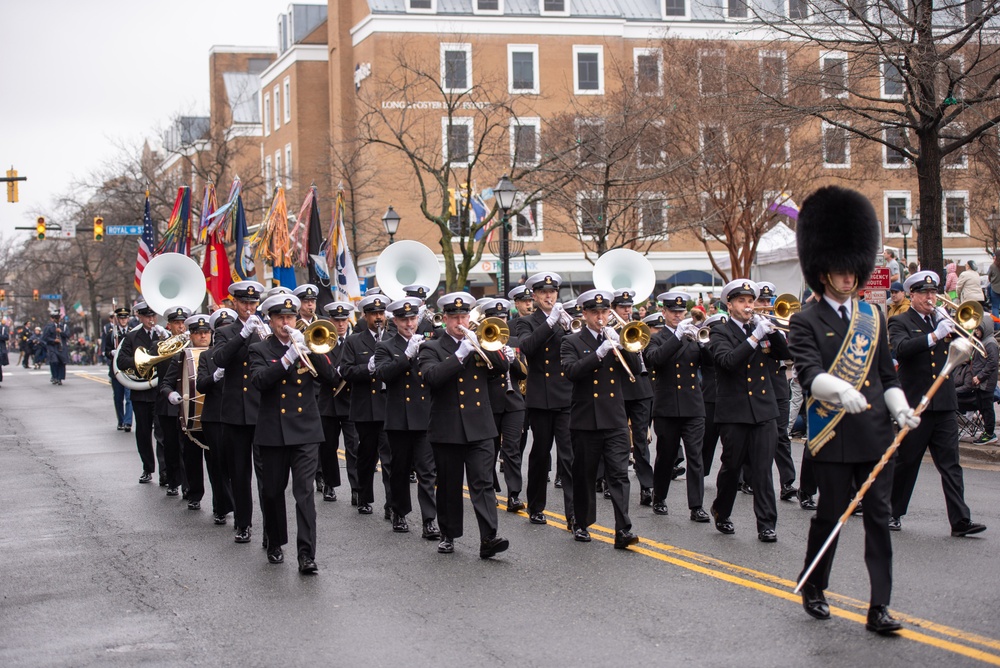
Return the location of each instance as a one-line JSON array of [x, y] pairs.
[[959, 352]]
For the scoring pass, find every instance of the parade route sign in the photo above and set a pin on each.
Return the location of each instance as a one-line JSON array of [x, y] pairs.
[[877, 286], [123, 230]]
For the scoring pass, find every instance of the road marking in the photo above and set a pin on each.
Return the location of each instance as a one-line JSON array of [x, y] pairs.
[[97, 379]]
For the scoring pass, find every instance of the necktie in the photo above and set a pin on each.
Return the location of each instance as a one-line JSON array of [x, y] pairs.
[[748, 328], [843, 313], [930, 321]]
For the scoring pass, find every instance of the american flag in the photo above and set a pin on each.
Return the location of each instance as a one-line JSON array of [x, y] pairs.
[[145, 245]]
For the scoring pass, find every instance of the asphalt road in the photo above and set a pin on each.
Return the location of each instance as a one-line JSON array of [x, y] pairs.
[[99, 570]]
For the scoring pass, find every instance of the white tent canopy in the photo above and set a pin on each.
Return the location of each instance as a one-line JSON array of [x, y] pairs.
[[777, 260]]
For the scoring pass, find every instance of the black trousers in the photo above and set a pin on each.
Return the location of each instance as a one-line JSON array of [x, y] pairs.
[[412, 452], [638, 411], [218, 474], [237, 452], [984, 400], [807, 478], [510, 427], [350, 451], [143, 413], [838, 483], [710, 440], [938, 431], [783, 450], [173, 464], [328, 459], [610, 446], [193, 458], [756, 443], [475, 462], [669, 433], [276, 462], [546, 426], [372, 446]]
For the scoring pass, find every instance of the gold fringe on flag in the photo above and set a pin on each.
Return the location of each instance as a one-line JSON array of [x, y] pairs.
[[272, 240]]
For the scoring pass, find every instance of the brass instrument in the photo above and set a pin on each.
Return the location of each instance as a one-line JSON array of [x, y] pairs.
[[634, 335], [145, 364], [968, 316], [485, 334], [305, 364], [704, 334], [320, 335]]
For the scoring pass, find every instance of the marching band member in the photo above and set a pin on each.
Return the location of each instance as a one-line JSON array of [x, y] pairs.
[[547, 397], [288, 430], [121, 395], [854, 390], [357, 367], [746, 407], [335, 409], [240, 400], [521, 298], [708, 396], [166, 410], [461, 429], [678, 406], [919, 343], [783, 393], [209, 383], [307, 294], [638, 405], [406, 418], [425, 325], [599, 423]]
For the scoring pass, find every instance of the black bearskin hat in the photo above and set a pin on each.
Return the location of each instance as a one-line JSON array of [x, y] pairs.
[[837, 231]]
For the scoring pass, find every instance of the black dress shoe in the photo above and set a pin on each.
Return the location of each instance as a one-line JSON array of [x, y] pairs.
[[387, 513], [967, 527], [806, 501], [365, 509], [446, 546], [219, 519], [431, 531], [194, 505], [329, 493], [145, 477], [645, 496], [514, 504], [699, 515], [354, 497], [767, 536], [275, 555], [814, 602], [558, 483], [320, 483], [537, 518], [127, 428], [625, 538], [242, 535], [570, 523], [881, 622], [677, 472], [413, 477], [307, 565], [788, 492], [492, 546], [746, 488], [895, 524], [163, 482], [723, 524], [581, 535], [173, 491], [660, 508], [399, 524]]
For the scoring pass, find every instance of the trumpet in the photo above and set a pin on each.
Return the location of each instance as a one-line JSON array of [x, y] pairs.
[[304, 361], [968, 316]]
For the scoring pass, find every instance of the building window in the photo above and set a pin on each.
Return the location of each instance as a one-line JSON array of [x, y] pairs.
[[737, 9], [897, 206], [267, 175], [456, 67], [892, 80], [711, 73], [648, 71], [798, 9], [674, 9], [773, 74], [588, 70], [653, 215], [713, 144], [857, 10], [526, 223], [524, 141], [522, 68], [277, 108], [893, 157], [422, 6], [288, 99], [457, 139], [836, 147], [833, 74], [288, 165], [591, 142], [973, 10], [956, 213], [650, 148], [590, 215], [775, 142], [488, 6], [277, 169], [267, 114], [554, 7]]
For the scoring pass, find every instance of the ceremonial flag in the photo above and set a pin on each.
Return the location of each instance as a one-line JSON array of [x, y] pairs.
[[479, 213], [316, 259], [348, 289], [784, 206], [78, 307], [243, 266], [215, 264], [145, 245], [177, 238]]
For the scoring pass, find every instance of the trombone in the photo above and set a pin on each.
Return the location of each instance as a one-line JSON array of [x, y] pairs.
[[780, 313], [634, 337], [304, 350], [486, 334], [968, 316]]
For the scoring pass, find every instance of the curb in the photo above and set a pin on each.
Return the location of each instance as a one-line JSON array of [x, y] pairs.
[[980, 453]]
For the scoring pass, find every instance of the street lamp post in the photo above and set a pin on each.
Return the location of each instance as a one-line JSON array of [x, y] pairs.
[[505, 193], [905, 225], [391, 222]]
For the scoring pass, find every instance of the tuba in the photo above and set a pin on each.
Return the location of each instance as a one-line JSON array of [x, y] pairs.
[[406, 263], [625, 268]]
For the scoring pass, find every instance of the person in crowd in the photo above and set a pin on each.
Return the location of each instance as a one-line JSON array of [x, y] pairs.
[[969, 287], [898, 301]]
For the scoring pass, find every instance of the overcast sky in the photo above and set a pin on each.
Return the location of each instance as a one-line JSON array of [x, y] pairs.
[[79, 78]]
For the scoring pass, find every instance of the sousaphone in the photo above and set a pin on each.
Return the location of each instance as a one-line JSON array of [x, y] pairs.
[[625, 268], [406, 263]]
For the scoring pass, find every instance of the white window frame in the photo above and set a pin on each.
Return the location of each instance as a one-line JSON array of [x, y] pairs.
[[823, 55], [881, 78], [885, 155], [705, 198], [267, 176], [522, 48], [953, 194], [277, 108], [287, 85], [266, 115], [596, 121], [713, 53], [824, 126], [277, 168], [701, 139], [896, 194], [788, 12], [539, 234], [662, 154], [487, 12], [534, 121], [737, 19], [665, 234], [456, 120], [774, 53], [411, 10], [456, 46], [580, 196], [543, 12], [673, 17], [288, 166], [579, 49], [647, 51]]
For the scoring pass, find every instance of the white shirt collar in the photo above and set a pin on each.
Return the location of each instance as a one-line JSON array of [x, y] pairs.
[[835, 305]]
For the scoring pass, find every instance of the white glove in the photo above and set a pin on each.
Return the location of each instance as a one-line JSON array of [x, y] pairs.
[[612, 336], [371, 364], [252, 325], [607, 345], [943, 329], [291, 356], [219, 373], [508, 352], [413, 346], [686, 330], [554, 315], [174, 398], [899, 408], [421, 312], [763, 328], [829, 388], [464, 349], [161, 332], [297, 337]]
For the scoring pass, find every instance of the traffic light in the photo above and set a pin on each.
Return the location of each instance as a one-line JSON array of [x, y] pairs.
[[98, 228], [12, 186], [3, 296], [40, 232], [34, 295]]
